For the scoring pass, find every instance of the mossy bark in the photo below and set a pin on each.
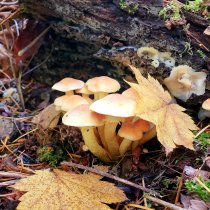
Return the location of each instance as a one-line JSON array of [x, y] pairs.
[[99, 37]]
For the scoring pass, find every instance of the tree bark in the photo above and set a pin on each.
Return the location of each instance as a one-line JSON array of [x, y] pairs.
[[105, 34]]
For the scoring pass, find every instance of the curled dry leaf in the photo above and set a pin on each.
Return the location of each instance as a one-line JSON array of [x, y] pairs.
[[61, 190], [155, 105], [48, 117]]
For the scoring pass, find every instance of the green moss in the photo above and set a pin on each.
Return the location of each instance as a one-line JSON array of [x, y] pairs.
[[194, 187], [173, 10], [203, 141], [50, 156], [131, 8]]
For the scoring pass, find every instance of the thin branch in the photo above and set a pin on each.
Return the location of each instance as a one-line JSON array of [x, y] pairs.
[[93, 170], [12, 175], [163, 203]]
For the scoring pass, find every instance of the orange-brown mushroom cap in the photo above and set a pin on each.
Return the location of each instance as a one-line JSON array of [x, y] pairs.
[[72, 102], [82, 116], [103, 84], [68, 84], [116, 105], [130, 131]]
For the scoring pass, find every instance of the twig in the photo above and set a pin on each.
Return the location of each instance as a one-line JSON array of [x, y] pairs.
[[93, 170], [7, 183], [202, 184], [145, 200], [201, 131], [138, 206], [20, 137], [6, 195], [19, 90], [12, 175], [163, 203], [8, 3], [179, 188]]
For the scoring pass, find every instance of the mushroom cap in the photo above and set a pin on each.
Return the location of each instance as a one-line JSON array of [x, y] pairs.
[[116, 105], [150, 52], [68, 84], [130, 93], [143, 125], [73, 101], [130, 131], [184, 81], [206, 104], [60, 100], [103, 84], [166, 58], [82, 116], [84, 90]]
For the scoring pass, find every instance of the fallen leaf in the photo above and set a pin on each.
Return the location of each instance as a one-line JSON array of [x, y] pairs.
[[192, 173], [48, 117], [61, 190], [191, 203], [156, 105]]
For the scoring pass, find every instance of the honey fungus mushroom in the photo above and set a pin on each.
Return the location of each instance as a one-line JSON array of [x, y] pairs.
[[184, 81], [102, 85], [87, 120], [68, 85], [116, 107]]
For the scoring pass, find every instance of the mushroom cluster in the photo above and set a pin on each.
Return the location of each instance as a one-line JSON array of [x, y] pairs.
[[107, 119], [156, 56], [183, 80]]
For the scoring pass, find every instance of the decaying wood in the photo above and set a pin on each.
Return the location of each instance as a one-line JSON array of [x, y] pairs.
[[96, 31]]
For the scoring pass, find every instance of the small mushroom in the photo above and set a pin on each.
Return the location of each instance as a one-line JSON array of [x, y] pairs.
[[184, 81], [102, 85], [72, 102], [85, 93], [132, 131], [116, 107], [68, 85], [87, 120], [204, 110], [155, 63], [60, 101], [165, 57], [148, 52]]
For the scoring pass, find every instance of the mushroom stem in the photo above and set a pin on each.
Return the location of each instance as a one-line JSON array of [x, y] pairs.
[[102, 94], [101, 134], [124, 146], [148, 135], [110, 138], [91, 142], [135, 144], [70, 92]]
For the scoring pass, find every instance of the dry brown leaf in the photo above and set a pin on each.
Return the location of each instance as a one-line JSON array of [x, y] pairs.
[[48, 117], [61, 190], [155, 105]]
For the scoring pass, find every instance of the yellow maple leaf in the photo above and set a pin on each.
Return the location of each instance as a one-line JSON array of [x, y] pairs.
[[156, 105], [59, 190]]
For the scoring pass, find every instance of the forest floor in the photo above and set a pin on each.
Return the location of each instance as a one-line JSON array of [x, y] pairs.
[[181, 178]]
